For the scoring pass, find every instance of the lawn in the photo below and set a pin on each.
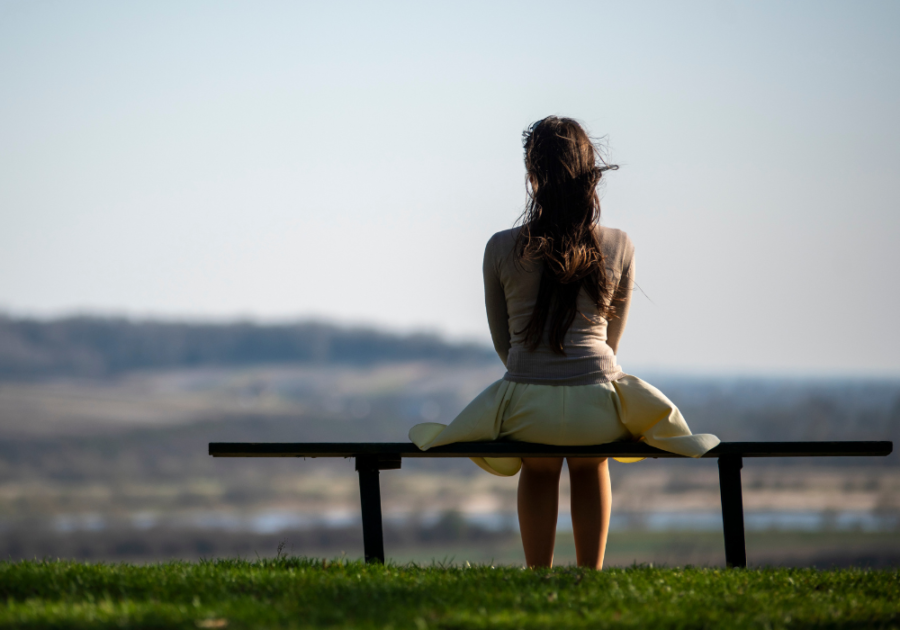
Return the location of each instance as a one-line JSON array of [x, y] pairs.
[[297, 592]]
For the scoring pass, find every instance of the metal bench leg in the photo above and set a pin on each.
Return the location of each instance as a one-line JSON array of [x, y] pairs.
[[732, 510], [370, 499]]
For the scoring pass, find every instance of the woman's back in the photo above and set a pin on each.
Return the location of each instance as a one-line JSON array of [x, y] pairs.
[[511, 292]]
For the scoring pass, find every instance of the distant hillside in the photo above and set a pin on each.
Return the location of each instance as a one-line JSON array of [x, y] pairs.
[[94, 346]]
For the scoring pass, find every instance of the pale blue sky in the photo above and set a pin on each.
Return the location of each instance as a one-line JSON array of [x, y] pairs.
[[281, 160]]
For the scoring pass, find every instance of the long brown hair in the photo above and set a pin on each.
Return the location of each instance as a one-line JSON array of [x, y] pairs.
[[564, 168]]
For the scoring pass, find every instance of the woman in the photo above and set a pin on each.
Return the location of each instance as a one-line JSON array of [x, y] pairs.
[[557, 292]]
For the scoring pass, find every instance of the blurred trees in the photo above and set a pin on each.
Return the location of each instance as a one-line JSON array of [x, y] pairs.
[[96, 347]]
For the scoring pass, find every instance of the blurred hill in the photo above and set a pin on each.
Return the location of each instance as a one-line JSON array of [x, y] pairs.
[[84, 375], [96, 346]]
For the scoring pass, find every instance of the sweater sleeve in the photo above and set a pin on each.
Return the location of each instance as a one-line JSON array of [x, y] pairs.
[[622, 301], [495, 303]]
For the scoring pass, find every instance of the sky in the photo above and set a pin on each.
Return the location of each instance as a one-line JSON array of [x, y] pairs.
[[280, 161]]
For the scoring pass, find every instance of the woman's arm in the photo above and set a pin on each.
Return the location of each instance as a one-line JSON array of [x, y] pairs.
[[622, 302], [495, 304]]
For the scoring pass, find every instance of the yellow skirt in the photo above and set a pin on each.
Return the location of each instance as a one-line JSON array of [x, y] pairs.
[[582, 415]]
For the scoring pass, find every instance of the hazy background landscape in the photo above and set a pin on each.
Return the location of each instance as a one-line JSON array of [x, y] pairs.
[[104, 426]]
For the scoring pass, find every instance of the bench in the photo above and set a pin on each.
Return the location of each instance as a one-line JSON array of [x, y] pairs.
[[372, 457]]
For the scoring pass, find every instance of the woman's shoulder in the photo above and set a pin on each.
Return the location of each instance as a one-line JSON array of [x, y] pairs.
[[505, 236], [614, 237], [502, 242], [616, 245]]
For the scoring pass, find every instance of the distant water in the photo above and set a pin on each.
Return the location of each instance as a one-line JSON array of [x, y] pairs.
[[274, 521]]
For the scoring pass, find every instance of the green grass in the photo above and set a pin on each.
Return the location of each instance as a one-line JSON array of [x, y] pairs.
[[296, 592], [825, 549]]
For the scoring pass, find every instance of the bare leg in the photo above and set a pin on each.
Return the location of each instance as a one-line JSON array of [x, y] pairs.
[[591, 504], [539, 507]]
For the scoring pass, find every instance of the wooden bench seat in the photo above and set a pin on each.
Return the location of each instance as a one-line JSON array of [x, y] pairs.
[[372, 457]]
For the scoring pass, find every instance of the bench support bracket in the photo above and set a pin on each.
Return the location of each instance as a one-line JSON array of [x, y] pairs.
[[732, 510], [368, 468]]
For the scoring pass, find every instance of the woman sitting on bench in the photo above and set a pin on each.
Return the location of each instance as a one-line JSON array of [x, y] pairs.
[[557, 292]]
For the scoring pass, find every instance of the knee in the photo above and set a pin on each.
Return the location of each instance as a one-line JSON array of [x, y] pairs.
[[543, 466], [587, 465]]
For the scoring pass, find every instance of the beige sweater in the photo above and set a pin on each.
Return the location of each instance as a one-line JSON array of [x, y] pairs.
[[510, 292]]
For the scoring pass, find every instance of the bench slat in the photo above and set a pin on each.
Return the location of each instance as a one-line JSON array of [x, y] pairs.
[[524, 449]]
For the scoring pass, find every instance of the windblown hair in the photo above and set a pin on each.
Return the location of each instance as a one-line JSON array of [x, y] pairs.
[[558, 227]]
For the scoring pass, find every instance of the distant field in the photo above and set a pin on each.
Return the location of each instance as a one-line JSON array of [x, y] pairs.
[[134, 446], [116, 468], [296, 592]]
